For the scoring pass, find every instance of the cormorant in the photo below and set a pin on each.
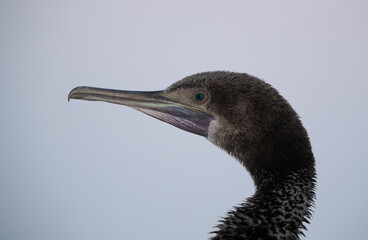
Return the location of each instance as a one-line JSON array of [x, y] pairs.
[[251, 121]]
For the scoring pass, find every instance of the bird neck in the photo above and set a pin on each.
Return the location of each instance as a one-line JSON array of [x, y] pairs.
[[277, 210]]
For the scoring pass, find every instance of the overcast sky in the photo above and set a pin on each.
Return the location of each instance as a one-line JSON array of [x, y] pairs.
[[91, 170]]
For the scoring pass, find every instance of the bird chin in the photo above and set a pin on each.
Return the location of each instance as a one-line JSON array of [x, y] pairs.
[[197, 124]]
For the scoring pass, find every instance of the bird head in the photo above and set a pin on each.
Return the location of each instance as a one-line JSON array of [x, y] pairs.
[[237, 112]]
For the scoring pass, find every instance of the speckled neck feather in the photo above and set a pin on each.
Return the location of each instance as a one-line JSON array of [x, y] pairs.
[[276, 211]]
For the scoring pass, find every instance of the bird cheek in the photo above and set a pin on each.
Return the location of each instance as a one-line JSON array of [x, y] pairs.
[[216, 133]]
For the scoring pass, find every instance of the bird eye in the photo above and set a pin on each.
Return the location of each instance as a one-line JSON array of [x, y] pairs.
[[200, 97]]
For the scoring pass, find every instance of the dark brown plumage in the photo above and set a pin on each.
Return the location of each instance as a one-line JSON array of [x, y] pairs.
[[251, 121]]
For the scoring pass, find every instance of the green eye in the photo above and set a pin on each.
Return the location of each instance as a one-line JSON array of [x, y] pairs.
[[199, 97]]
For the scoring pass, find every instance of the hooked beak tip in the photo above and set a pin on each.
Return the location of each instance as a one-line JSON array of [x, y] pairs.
[[70, 95], [73, 94]]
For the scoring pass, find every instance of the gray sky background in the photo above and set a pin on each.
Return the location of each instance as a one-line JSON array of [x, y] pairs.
[[90, 170]]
